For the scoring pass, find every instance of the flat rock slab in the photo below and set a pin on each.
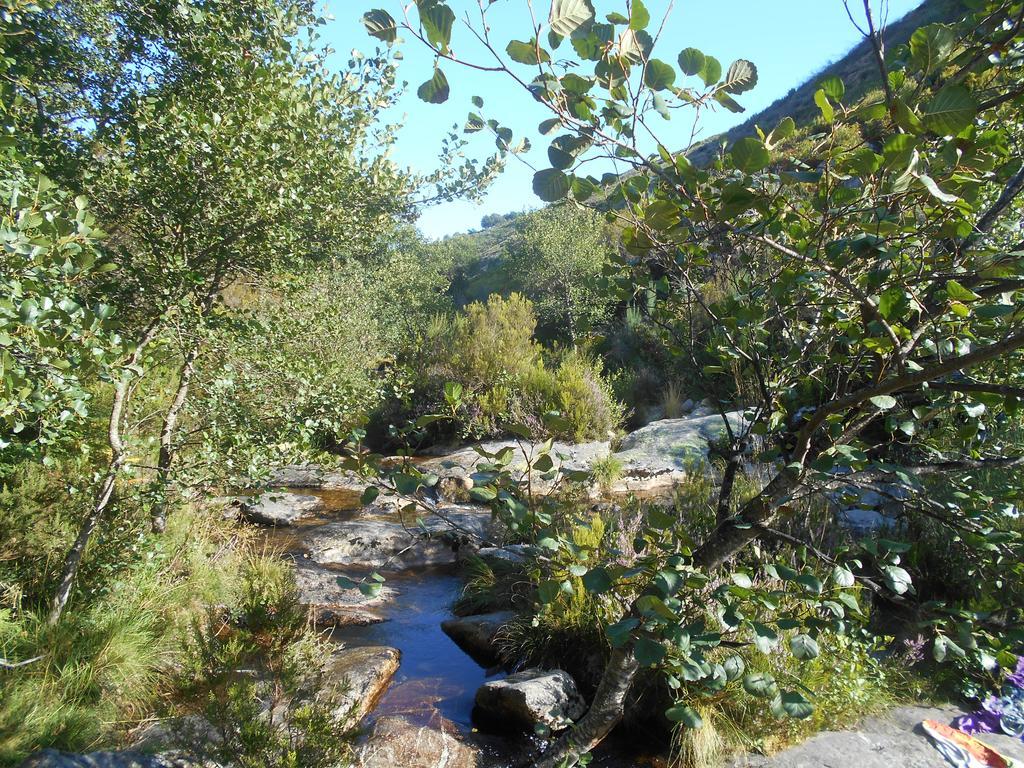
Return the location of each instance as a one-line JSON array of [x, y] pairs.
[[894, 740], [51, 758], [397, 742], [361, 676], [313, 476], [369, 543], [476, 634], [334, 605], [530, 697], [281, 509]]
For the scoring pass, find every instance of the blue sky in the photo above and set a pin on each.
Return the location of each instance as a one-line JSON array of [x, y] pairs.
[[788, 40]]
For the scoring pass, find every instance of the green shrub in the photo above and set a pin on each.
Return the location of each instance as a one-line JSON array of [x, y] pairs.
[[490, 350], [258, 676]]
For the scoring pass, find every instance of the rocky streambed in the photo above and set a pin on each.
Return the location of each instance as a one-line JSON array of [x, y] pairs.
[[426, 683]]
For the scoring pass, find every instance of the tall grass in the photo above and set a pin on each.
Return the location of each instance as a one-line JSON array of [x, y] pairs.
[[103, 669]]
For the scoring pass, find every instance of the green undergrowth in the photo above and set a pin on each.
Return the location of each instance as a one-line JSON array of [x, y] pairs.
[[142, 607]]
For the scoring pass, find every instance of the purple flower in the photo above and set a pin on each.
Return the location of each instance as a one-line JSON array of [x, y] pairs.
[[1016, 678], [978, 722]]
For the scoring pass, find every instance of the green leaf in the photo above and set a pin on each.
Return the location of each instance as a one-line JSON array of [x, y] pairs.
[[760, 684], [741, 579], [688, 716], [958, 292], [933, 189], [659, 75], [483, 494], [548, 590], [793, 704], [597, 581], [883, 402], [381, 24], [804, 647], [648, 652], [943, 648], [526, 53], [950, 111], [435, 90], [369, 495], [711, 72], [550, 185], [734, 667], [569, 15], [827, 111], [833, 87], [741, 77], [691, 61], [897, 579], [639, 18], [750, 155], [438, 21]]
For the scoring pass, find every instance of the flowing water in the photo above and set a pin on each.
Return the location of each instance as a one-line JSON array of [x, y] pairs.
[[436, 681]]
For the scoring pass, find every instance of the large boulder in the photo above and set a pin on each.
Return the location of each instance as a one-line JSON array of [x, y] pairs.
[[335, 605], [530, 698], [281, 509], [52, 758], [370, 543], [360, 676], [476, 634], [662, 453], [397, 742]]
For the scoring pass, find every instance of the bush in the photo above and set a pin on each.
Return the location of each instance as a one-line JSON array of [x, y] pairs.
[[257, 675], [490, 350]]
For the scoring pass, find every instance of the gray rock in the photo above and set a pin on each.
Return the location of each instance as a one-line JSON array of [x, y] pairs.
[[360, 677], [52, 758], [893, 739], [513, 554], [397, 742], [662, 453], [367, 543], [297, 476], [531, 697], [476, 634], [334, 605], [281, 509]]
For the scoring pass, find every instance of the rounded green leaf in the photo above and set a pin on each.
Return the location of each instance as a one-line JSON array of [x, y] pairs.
[[950, 111], [750, 155], [381, 24], [741, 77], [569, 15], [659, 75], [550, 185], [435, 90], [804, 647], [688, 716], [760, 684], [691, 61], [711, 72]]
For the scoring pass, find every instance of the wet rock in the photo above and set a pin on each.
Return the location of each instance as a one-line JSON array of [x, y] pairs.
[[281, 509], [51, 758], [368, 543], [867, 511], [476, 634], [361, 676], [334, 605], [397, 742], [531, 697]]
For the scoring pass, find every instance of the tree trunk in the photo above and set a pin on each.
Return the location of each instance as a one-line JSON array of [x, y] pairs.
[[73, 559], [170, 424], [167, 431], [604, 714]]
